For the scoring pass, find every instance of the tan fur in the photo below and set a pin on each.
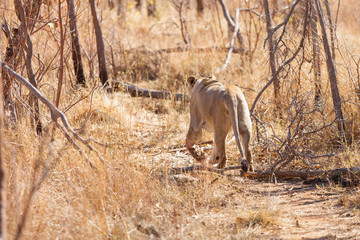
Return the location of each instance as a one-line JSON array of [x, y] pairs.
[[218, 108]]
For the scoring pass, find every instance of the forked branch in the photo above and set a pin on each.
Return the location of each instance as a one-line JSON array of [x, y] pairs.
[[55, 114], [288, 61], [231, 48]]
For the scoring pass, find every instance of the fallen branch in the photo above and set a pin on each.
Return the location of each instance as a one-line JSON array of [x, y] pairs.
[[186, 49], [305, 174], [195, 168], [354, 172], [55, 114], [141, 92]]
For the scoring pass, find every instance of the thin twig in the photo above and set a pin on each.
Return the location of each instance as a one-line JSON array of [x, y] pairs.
[[283, 23], [301, 45]]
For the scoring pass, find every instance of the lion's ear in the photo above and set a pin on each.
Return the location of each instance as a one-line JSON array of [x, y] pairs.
[[191, 81]]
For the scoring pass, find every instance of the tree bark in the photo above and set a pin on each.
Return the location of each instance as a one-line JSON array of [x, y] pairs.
[[332, 29], [200, 7], [332, 74], [99, 44], [151, 8], [75, 44], [110, 2], [2, 163], [12, 56], [269, 28], [24, 33], [316, 52], [121, 10], [61, 67], [138, 4]]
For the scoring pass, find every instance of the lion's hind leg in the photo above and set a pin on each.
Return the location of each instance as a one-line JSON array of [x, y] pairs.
[[219, 154], [246, 137]]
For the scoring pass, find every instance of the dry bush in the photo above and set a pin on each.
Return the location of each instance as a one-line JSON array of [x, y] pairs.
[[351, 200], [268, 214]]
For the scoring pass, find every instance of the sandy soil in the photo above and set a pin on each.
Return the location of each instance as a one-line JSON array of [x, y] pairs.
[[305, 211]]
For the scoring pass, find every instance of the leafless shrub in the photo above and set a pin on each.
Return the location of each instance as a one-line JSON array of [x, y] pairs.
[[303, 138]]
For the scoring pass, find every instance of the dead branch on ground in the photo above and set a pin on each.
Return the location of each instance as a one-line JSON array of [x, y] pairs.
[[196, 168], [305, 174], [185, 49], [141, 92], [332, 174]]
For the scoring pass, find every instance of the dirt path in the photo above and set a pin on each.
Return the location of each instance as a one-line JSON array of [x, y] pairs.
[[306, 211]]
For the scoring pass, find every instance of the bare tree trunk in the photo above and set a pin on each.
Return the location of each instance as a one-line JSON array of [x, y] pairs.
[[183, 25], [110, 2], [332, 29], [316, 52], [61, 67], [332, 74], [231, 25], [151, 8], [75, 44], [24, 33], [2, 163], [138, 4], [269, 27], [13, 50], [121, 10], [200, 7], [99, 44]]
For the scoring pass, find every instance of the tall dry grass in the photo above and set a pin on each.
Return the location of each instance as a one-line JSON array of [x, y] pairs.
[[130, 196]]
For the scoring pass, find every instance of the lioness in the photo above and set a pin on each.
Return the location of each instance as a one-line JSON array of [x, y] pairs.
[[218, 107]]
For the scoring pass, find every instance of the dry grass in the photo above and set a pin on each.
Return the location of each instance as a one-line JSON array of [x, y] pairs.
[[128, 197], [351, 200], [264, 216]]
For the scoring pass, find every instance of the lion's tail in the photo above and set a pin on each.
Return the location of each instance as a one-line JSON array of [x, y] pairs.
[[232, 106]]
